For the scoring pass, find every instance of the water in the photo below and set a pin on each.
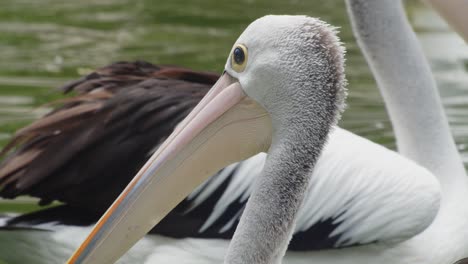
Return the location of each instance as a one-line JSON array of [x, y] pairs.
[[44, 43]]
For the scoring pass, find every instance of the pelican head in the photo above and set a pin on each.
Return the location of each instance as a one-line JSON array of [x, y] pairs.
[[283, 54], [282, 89]]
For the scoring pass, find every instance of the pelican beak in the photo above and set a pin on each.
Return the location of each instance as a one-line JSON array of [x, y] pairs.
[[225, 127]]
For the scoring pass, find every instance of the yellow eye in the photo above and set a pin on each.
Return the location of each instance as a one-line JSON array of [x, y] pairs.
[[239, 58]]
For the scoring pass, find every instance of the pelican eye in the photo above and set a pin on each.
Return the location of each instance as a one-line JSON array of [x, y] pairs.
[[239, 58]]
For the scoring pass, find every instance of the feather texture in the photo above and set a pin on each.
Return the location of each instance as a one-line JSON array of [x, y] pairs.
[[85, 151]]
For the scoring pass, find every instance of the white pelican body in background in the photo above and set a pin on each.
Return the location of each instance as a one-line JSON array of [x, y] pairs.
[[423, 135]]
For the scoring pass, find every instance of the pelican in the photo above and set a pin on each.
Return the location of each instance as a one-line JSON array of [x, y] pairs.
[[282, 90], [350, 233], [123, 222], [443, 241], [122, 114]]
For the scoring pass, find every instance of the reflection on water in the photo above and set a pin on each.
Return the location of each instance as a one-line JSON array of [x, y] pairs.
[[44, 43]]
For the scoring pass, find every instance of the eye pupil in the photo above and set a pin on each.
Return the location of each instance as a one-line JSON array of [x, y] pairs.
[[239, 58], [239, 55]]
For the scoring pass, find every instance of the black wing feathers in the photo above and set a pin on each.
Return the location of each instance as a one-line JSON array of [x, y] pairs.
[[85, 151]]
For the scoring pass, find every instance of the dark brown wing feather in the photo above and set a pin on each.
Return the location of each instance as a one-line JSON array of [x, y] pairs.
[[85, 152]]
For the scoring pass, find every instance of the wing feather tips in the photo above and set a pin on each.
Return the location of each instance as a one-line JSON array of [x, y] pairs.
[[369, 192]]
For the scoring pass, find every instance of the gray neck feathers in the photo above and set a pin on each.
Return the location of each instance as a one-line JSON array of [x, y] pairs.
[[406, 83], [302, 110]]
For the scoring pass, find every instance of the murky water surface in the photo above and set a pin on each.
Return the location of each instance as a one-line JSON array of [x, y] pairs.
[[45, 43]]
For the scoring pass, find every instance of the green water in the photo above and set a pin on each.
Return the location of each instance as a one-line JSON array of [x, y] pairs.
[[45, 43]]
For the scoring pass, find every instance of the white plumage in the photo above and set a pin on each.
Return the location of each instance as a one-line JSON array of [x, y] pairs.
[[392, 200]]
